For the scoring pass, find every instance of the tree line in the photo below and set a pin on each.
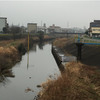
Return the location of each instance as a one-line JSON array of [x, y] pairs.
[[14, 29]]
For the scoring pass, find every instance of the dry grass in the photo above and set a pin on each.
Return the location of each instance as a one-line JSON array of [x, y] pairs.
[[9, 54], [35, 38], [8, 57], [79, 82], [75, 84], [11, 51], [60, 42], [8, 43], [4, 42], [90, 53], [46, 37], [66, 45]]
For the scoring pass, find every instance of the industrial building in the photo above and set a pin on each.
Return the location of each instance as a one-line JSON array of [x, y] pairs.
[[94, 29], [3, 23], [43, 28], [54, 29], [32, 27]]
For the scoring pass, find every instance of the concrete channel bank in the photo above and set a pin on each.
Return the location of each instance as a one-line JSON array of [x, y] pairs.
[[61, 59]]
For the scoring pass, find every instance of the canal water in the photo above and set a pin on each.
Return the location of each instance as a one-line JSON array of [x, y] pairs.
[[41, 67]]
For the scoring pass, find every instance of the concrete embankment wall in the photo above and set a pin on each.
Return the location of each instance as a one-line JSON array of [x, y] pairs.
[[90, 53], [58, 59]]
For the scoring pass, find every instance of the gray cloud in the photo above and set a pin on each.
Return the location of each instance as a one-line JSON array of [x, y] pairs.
[[76, 13]]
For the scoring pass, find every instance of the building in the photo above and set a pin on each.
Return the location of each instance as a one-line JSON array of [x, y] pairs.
[[32, 27], [96, 23], [3, 23], [64, 30], [43, 28], [94, 30], [54, 29]]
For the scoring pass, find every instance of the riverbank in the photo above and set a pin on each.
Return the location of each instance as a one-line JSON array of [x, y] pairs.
[[79, 82], [25, 84], [11, 52], [90, 53]]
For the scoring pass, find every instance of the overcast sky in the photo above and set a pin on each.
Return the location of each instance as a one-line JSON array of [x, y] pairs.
[[61, 13]]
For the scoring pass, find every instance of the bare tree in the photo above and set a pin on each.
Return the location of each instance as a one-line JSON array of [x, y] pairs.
[[15, 30]]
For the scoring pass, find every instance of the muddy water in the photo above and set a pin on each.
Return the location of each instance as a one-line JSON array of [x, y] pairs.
[[41, 66]]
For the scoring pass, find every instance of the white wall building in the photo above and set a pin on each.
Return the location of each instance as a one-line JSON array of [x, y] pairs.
[[54, 29], [3, 23], [94, 29], [43, 28]]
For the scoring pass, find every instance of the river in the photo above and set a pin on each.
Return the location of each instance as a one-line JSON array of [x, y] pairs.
[[41, 67]]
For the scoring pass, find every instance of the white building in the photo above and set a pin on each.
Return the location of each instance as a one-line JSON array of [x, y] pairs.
[[3, 23], [94, 29], [32, 27], [54, 29], [43, 28]]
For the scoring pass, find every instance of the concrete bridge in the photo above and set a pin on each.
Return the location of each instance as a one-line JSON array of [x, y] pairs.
[[61, 35], [85, 41]]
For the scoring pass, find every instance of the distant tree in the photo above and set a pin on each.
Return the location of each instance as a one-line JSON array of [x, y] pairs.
[[41, 35], [5, 30], [86, 32], [15, 30]]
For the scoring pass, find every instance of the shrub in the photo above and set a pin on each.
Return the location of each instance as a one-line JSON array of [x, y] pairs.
[[21, 49]]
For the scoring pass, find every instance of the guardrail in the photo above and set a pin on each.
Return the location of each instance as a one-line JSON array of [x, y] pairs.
[[86, 40]]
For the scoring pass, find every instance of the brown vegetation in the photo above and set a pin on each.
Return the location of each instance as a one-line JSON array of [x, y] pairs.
[[66, 45], [8, 57], [11, 51], [80, 82], [60, 42], [90, 53]]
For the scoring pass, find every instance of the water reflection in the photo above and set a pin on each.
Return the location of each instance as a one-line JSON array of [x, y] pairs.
[[4, 81], [4, 77], [33, 49], [27, 59], [41, 44], [6, 73], [24, 86]]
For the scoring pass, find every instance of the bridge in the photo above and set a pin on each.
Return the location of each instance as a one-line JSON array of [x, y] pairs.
[[84, 41]]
